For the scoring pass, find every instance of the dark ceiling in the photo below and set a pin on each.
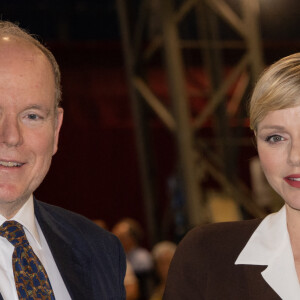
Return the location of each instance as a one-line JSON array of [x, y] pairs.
[[64, 19], [98, 20]]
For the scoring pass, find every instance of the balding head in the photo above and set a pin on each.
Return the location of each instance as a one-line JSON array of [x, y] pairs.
[[10, 31]]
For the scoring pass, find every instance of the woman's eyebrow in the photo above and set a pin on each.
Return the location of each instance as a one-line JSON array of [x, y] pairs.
[[277, 127]]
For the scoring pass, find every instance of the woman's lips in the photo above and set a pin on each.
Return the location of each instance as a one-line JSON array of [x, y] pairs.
[[293, 180]]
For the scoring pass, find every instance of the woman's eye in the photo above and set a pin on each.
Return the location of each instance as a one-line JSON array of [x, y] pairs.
[[274, 138]]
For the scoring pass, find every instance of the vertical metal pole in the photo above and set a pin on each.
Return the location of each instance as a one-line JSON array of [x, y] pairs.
[[184, 135], [140, 126], [251, 13], [208, 27]]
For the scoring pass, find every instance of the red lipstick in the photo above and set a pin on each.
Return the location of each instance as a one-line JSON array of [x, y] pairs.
[[293, 180]]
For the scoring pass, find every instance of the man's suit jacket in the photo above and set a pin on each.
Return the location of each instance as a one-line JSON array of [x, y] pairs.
[[91, 261], [203, 266]]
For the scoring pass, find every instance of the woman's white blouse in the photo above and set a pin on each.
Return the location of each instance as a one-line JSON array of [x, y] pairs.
[[270, 245]]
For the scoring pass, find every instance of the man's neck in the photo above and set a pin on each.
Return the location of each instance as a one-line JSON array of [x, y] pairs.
[[10, 209]]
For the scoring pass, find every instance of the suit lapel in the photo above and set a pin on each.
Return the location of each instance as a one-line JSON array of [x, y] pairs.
[[1, 298], [255, 285], [68, 254]]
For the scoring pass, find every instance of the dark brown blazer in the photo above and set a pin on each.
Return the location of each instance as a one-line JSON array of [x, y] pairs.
[[203, 266]]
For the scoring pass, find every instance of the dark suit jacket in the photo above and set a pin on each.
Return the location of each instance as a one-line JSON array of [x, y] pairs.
[[91, 260], [203, 266]]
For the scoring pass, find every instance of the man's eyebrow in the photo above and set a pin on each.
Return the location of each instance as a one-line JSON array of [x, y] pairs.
[[38, 107]]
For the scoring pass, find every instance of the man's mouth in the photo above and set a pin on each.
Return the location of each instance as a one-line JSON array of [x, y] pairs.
[[10, 164]]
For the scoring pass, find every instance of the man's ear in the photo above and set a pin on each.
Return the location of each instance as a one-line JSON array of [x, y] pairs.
[[58, 122]]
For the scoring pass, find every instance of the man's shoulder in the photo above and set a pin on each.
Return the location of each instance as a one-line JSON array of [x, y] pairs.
[[71, 223], [57, 211], [74, 239]]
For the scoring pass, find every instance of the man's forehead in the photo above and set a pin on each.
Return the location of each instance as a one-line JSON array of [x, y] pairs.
[[11, 46], [25, 71], [18, 54]]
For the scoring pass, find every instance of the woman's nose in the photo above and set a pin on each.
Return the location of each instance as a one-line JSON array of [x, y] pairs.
[[294, 154]]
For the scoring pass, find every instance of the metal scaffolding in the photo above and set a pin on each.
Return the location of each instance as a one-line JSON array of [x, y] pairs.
[[179, 28]]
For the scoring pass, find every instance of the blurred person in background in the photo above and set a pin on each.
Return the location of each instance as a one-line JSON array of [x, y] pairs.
[[101, 223], [130, 280], [130, 233], [162, 253], [131, 283]]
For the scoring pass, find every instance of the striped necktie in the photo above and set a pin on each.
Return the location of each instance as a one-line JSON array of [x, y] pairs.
[[31, 279]]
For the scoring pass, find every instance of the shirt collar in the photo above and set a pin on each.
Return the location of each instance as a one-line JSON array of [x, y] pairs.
[[266, 240], [270, 245], [25, 216]]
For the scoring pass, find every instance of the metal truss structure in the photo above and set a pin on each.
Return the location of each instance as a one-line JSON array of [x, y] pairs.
[[223, 39]]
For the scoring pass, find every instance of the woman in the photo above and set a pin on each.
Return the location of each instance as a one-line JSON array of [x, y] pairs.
[[255, 259]]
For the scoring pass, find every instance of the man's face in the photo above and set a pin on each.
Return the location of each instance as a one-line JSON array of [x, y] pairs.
[[29, 122]]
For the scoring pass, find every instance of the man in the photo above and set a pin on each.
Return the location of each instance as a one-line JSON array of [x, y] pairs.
[[81, 260]]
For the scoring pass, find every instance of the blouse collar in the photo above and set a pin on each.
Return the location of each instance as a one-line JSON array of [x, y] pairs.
[[270, 245]]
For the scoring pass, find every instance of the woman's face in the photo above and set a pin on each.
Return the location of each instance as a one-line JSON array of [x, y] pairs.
[[278, 142]]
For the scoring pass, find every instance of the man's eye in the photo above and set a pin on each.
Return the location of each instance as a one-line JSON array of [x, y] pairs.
[[274, 138], [33, 116]]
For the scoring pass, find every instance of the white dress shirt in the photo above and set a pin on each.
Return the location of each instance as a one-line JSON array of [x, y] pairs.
[[36, 238], [270, 245]]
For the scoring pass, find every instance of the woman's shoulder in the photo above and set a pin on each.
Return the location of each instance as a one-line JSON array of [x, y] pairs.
[[219, 238], [205, 256], [224, 229]]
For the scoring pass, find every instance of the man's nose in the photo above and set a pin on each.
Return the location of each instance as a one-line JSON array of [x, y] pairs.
[[10, 131]]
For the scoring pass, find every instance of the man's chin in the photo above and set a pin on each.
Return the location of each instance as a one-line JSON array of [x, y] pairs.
[[10, 204]]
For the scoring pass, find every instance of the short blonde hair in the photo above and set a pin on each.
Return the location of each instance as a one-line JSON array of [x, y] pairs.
[[277, 88]]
